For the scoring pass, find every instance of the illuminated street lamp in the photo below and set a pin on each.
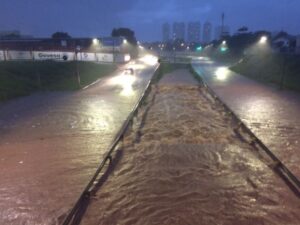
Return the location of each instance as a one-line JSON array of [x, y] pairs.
[[95, 41], [77, 52], [96, 44], [263, 40], [125, 41], [199, 49], [224, 47]]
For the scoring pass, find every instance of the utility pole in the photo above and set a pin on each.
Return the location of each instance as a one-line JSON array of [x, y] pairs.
[[114, 46], [283, 70], [222, 28], [77, 51]]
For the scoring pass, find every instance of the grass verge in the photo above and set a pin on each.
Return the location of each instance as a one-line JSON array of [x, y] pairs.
[[282, 70], [23, 78]]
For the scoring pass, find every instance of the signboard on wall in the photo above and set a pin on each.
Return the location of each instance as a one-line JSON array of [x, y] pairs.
[[86, 56], [122, 58], [2, 57], [19, 55], [102, 57], [56, 56]]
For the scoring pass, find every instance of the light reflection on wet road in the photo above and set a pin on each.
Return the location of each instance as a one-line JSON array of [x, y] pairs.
[[51, 144], [272, 114]]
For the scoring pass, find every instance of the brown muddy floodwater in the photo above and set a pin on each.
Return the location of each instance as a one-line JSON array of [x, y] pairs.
[[52, 143], [272, 114], [184, 165]]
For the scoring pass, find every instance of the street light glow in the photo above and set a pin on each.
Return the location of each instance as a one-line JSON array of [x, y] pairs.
[[95, 41], [199, 48], [224, 42], [149, 60], [125, 41], [263, 39], [224, 49]]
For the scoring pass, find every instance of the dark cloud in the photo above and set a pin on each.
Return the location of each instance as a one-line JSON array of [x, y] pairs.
[[98, 17]]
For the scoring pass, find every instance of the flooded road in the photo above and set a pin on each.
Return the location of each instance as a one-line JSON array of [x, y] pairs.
[[272, 114], [51, 144], [183, 164]]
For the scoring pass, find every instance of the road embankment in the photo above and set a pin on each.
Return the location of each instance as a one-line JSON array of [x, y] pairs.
[[282, 70]]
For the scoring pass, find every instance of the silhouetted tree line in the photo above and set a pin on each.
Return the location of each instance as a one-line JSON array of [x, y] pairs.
[[61, 35], [129, 35]]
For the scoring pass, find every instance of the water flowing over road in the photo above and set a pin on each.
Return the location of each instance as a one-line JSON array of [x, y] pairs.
[[272, 114], [51, 143], [182, 163]]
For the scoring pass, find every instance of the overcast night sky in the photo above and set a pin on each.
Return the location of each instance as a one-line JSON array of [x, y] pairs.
[[87, 18]]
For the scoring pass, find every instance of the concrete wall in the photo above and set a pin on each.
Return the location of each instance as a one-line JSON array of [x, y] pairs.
[[63, 56]]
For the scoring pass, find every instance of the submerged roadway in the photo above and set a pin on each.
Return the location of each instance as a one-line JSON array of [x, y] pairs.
[[51, 143]]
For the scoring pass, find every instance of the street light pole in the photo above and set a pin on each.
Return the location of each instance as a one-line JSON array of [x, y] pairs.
[[283, 71], [114, 43], [77, 66]]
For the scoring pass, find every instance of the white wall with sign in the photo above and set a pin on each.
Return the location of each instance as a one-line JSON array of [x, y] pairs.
[[86, 56], [103, 57], [115, 49], [19, 55], [2, 57], [63, 56], [56, 56], [122, 58]]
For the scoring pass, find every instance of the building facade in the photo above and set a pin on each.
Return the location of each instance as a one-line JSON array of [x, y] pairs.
[[207, 31], [179, 31], [166, 31], [194, 32]]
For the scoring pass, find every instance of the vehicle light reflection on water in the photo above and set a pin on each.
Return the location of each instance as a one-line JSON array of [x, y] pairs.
[[149, 60], [125, 81], [222, 73]]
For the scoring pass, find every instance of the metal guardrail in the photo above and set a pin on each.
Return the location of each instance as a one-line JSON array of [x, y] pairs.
[[76, 214], [289, 178]]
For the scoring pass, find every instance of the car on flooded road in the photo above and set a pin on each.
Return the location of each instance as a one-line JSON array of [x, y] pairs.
[[129, 71]]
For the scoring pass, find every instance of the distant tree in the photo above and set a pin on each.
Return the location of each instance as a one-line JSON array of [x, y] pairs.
[[11, 36], [126, 33], [282, 34], [243, 29], [61, 35]]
